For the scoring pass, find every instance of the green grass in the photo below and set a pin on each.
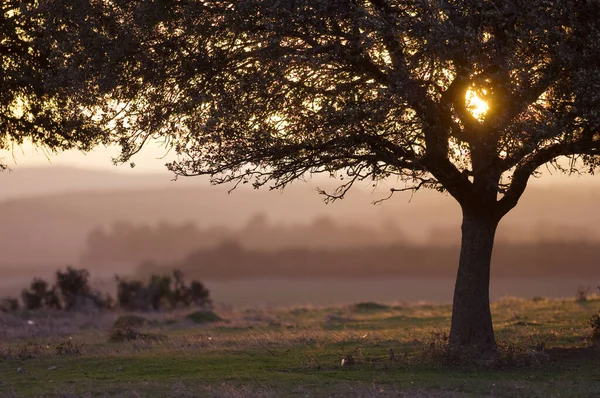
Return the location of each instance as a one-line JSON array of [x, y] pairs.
[[297, 353]]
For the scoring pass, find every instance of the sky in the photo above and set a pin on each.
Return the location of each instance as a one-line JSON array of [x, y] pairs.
[[152, 159]]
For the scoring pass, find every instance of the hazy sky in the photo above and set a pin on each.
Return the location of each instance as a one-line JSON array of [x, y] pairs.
[[148, 160], [153, 158]]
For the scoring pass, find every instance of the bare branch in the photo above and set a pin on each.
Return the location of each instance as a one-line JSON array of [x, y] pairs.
[[528, 166]]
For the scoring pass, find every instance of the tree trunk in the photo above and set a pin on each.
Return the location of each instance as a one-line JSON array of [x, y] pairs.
[[471, 326]]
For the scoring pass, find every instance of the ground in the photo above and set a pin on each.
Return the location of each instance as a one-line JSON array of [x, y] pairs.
[[544, 351]]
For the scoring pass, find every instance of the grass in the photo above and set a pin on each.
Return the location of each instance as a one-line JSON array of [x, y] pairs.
[[297, 352]]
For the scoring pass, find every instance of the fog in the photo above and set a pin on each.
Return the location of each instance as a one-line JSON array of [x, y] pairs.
[[264, 247]]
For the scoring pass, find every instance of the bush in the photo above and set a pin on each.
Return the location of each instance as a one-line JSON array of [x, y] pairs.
[[582, 294], [9, 304], [159, 291], [129, 321], [203, 317], [130, 294], [73, 291], [38, 296], [162, 291], [68, 347], [118, 335], [136, 296], [76, 292], [200, 295]]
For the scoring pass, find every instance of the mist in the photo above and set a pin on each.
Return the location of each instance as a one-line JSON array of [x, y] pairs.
[[260, 247]]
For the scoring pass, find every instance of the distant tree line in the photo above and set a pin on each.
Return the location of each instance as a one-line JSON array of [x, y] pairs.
[[231, 260], [129, 245], [72, 291], [125, 243]]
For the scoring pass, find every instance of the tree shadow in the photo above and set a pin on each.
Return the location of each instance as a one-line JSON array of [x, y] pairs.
[[573, 353]]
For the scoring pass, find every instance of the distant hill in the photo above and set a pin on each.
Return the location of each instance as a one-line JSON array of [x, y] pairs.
[[42, 181], [47, 213], [231, 261]]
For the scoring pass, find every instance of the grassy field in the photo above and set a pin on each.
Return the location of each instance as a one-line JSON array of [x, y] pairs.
[[297, 353]]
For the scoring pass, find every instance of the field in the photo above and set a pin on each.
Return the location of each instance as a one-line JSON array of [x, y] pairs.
[[389, 350]]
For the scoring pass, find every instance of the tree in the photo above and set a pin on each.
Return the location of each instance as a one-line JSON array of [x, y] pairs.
[[35, 84], [268, 92]]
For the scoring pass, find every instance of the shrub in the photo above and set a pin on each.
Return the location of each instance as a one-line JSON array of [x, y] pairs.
[[203, 317], [582, 294], [68, 347], [134, 295], [160, 292], [130, 294], [38, 296], [29, 350], [129, 321], [538, 299], [75, 290], [9, 304], [118, 335], [200, 295]]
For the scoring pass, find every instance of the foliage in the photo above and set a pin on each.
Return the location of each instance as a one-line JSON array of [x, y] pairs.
[[72, 291], [75, 290], [268, 92], [198, 294], [130, 293], [36, 104], [370, 89], [69, 347], [161, 292], [39, 296], [595, 324], [203, 317]]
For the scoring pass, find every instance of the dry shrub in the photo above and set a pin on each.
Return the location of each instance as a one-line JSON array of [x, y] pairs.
[[118, 335], [582, 294], [203, 316], [29, 350], [595, 324], [68, 347], [130, 321]]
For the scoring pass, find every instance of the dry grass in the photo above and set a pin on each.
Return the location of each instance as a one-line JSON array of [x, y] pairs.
[[297, 352]]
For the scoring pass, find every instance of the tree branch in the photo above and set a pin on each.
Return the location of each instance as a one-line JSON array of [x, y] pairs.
[[523, 172]]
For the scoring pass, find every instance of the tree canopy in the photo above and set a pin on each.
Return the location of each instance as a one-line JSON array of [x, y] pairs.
[[267, 92], [35, 89]]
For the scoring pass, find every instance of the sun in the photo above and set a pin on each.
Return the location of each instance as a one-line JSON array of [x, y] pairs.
[[476, 105]]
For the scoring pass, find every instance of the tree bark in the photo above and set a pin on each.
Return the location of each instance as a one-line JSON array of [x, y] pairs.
[[471, 326]]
